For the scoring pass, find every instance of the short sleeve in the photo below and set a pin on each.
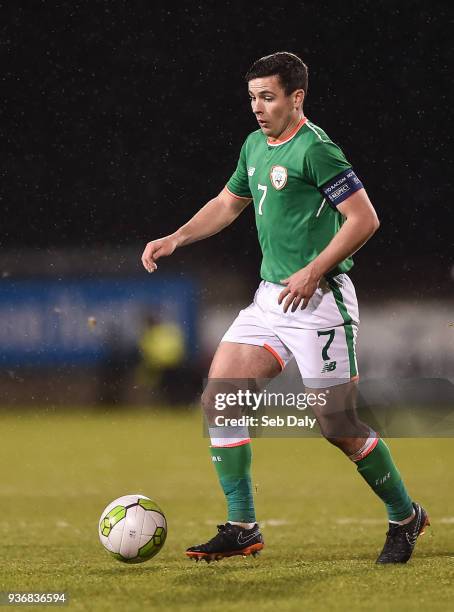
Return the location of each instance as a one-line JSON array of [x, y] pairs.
[[238, 184], [326, 167], [322, 162]]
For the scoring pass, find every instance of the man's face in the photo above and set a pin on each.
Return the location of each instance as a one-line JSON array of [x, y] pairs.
[[273, 109]]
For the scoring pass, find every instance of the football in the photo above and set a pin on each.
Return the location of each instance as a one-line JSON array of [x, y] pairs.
[[133, 528]]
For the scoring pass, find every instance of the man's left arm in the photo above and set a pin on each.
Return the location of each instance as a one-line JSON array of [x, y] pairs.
[[360, 224]]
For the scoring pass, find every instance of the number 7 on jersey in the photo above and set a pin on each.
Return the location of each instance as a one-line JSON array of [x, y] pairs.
[[263, 188]]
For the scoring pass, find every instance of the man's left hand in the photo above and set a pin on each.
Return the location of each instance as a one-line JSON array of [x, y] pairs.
[[299, 288]]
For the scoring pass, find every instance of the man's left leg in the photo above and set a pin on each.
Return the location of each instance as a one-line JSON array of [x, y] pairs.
[[322, 338], [340, 425]]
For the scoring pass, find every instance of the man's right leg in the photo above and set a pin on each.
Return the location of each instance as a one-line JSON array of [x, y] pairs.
[[231, 455]]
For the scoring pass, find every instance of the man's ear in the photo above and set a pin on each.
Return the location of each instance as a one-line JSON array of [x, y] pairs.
[[298, 98]]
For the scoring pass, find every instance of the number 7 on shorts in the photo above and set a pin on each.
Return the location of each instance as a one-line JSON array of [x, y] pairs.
[[330, 333]]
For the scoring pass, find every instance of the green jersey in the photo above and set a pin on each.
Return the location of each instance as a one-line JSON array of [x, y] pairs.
[[296, 185]]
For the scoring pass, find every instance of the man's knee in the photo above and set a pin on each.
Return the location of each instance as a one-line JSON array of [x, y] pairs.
[[347, 445], [219, 398], [213, 400], [208, 403]]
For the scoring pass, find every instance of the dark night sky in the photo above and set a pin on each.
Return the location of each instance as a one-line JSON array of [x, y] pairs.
[[122, 118]]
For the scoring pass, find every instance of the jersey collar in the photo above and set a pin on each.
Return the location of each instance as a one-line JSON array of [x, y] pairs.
[[293, 133]]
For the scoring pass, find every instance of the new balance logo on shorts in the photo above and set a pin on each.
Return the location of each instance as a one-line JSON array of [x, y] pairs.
[[329, 367]]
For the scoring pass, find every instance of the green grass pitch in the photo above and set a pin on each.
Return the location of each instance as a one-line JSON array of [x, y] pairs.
[[323, 528]]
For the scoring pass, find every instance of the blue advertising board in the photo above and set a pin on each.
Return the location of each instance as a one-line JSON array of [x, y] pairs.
[[49, 322]]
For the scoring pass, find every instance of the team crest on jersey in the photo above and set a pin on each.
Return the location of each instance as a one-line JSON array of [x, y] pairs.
[[278, 176]]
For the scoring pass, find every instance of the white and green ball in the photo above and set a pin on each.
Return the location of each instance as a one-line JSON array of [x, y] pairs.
[[133, 528]]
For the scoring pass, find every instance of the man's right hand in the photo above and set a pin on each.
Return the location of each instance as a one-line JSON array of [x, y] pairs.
[[156, 249]]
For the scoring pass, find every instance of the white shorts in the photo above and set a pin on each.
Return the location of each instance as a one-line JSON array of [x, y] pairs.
[[322, 337]]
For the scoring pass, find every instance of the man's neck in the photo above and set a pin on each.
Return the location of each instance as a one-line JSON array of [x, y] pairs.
[[291, 125]]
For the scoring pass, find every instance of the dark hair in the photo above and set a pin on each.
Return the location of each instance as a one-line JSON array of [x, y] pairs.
[[290, 69]]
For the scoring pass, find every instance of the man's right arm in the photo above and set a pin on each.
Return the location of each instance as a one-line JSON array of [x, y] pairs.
[[217, 214]]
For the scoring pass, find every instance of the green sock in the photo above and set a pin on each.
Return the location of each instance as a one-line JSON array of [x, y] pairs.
[[378, 470], [233, 466]]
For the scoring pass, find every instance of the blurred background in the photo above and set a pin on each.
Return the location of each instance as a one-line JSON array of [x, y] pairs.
[[121, 119]]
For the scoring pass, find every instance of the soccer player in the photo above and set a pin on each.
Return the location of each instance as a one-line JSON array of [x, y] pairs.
[[312, 213]]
